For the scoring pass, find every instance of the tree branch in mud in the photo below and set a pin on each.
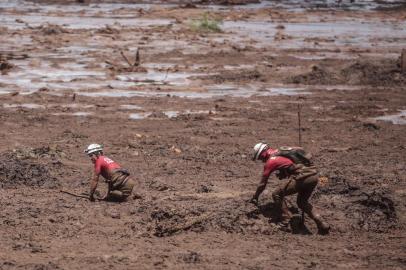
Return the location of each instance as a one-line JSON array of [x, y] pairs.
[[126, 59], [79, 195], [137, 58]]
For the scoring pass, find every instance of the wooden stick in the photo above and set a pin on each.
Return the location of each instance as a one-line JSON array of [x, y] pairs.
[[78, 195], [125, 58], [299, 123], [137, 58]]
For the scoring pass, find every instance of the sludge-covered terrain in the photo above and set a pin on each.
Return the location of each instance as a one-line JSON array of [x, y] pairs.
[[179, 92]]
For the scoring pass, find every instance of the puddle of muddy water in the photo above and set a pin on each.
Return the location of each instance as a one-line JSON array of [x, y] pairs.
[[169, 114], [158, 77], [352, 33], [300, 5], [70, 75], [79, 114], [24, 105], [173, 114], [211, 92], [90, 9], [397, 119], [130, 107], [138, 116], [115, 8], [77, 22]]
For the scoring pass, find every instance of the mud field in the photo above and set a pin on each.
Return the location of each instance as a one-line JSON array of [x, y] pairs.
[[179, 92]]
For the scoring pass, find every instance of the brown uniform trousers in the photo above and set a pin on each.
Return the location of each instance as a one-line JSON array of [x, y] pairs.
[[120, 185], [303, 181]]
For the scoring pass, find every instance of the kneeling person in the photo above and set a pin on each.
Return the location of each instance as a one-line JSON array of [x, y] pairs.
[[120, 184]]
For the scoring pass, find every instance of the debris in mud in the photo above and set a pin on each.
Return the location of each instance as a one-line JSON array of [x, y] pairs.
[[205, 189], [16, 170], [108, 30], [52, 152], [52, 29], [133, 66], [5, 66], [191, 257]]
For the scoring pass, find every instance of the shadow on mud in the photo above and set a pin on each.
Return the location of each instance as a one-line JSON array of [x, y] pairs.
[[272, 213]]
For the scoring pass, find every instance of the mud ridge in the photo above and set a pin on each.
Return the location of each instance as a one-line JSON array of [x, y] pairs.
[[358, 73]]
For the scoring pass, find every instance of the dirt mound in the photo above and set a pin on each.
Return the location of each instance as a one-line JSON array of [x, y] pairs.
[[378, 74], [318, 75], [370, 209], [21, 168], [386, 73], [5, 66], [51, 29], [374, 210]]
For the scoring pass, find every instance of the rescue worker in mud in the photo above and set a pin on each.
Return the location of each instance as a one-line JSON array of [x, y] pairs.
[[120, 184], [302, 178]]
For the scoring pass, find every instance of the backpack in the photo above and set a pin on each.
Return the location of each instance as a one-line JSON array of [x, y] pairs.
[[296, 154]]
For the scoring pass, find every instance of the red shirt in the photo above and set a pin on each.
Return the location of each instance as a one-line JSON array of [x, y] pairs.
[[104, 166], [275, 163]]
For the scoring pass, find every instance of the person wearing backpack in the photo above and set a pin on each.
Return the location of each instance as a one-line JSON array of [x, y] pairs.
[[295, 165]]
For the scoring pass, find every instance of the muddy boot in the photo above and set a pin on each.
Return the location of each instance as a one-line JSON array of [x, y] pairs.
[[322, 226], [116, 196]]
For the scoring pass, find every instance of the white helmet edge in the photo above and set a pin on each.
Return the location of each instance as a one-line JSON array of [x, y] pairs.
[[258, 149], [94, 147]]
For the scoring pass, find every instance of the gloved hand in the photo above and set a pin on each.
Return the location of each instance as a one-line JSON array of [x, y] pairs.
[[254, 201]]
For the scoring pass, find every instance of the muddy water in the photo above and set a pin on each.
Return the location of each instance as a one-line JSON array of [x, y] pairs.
[[74, 73], [360, 34], [397, 119]]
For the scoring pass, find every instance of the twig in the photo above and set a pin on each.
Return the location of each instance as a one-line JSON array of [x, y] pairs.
[[126, 59], [78, 195], [137, 58], [299, 123]]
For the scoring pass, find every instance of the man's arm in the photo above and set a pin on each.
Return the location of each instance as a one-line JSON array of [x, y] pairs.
[[260, 188], [268, 169], [93, 185]]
